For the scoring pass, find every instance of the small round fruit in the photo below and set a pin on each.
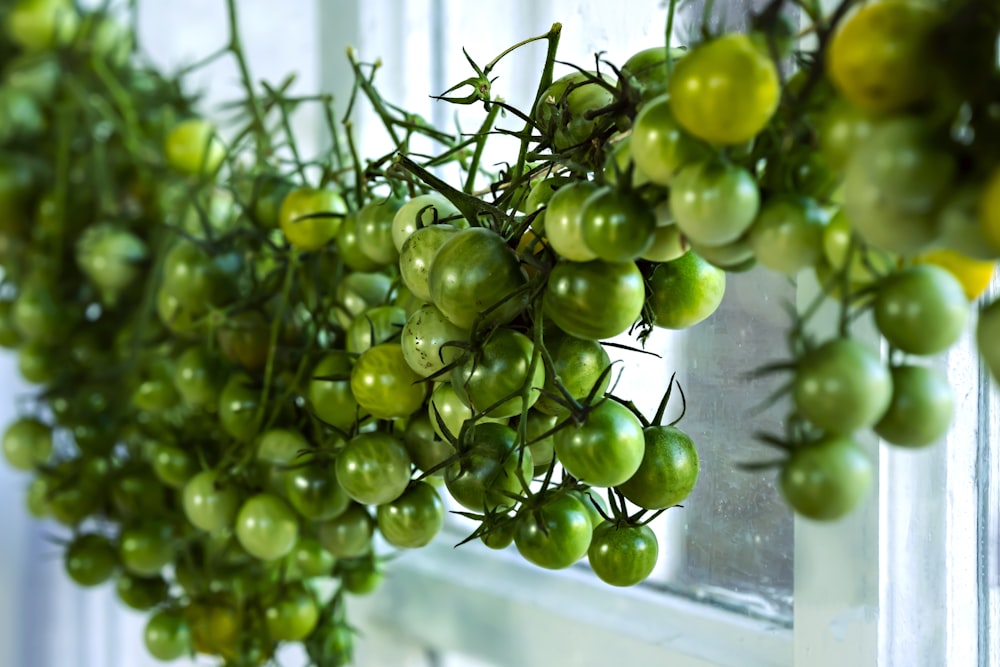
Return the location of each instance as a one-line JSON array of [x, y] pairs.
[[267, 527], [310, 218], [27, 443], [193, 148], [556, 535], [384, 385], [825, 480], [921, 410], [622, 555], [725, 90], [842, 386], [90, 559], [668, 472], [685, 291], [168, 636], [922, 309], [879, 56], [373, 468], [413, 519]]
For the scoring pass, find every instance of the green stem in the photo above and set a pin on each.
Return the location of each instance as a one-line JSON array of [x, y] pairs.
[[275, 334], [236, 47], [670, 36], [543, 83], [477, 155]]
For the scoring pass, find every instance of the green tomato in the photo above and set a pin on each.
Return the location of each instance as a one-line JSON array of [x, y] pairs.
[[735, 257], [668, 244], [111, 258], [500, 535], [375, 226], [282, 447], [173, 466], [145, 549], [314, 492], [564, 109], [238, 404], [329, 390], [894, 184], [486, 475], [377, 325], [825, 480], [647, 71], [384, 384], [209, 503], [141, 593], [668, 471], [310, 218], [685, 291], [198, 378], [360, 576], [168, 636], [41, 25], [426, 341], [448, 413], [921, 410], [492, 379], [417, 255], [27, 443], [921, 309], [542, 448], [865, 264], [605, 449], [36, 313], [423, 211], [842, 386], [622, 555], [725, 90], [660, 148], [358, 292], [90, 559], [427, 450], [594, 300], [617, 226], [413, 519], [193, 148], [578, 364], [349, 246], [198, 279], [842, 128], [373, 468], [555, 535], [348, 535], [474, 277], [564, 221], [714, 203], [618, 164], [788, 234], [309, 559], [292, 615], [267, 527]]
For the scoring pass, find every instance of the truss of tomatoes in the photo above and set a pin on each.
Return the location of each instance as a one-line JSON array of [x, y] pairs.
[[246, 374]]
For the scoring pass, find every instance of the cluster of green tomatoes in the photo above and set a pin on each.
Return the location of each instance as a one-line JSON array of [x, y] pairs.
[[256, 374]]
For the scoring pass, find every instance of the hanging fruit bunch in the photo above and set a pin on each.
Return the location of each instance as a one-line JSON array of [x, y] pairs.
[[250, 362]]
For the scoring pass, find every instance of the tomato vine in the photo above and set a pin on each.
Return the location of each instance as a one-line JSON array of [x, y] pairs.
[[251, 361]]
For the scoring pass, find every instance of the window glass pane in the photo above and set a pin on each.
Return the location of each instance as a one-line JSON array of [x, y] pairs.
[[737, 531]]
